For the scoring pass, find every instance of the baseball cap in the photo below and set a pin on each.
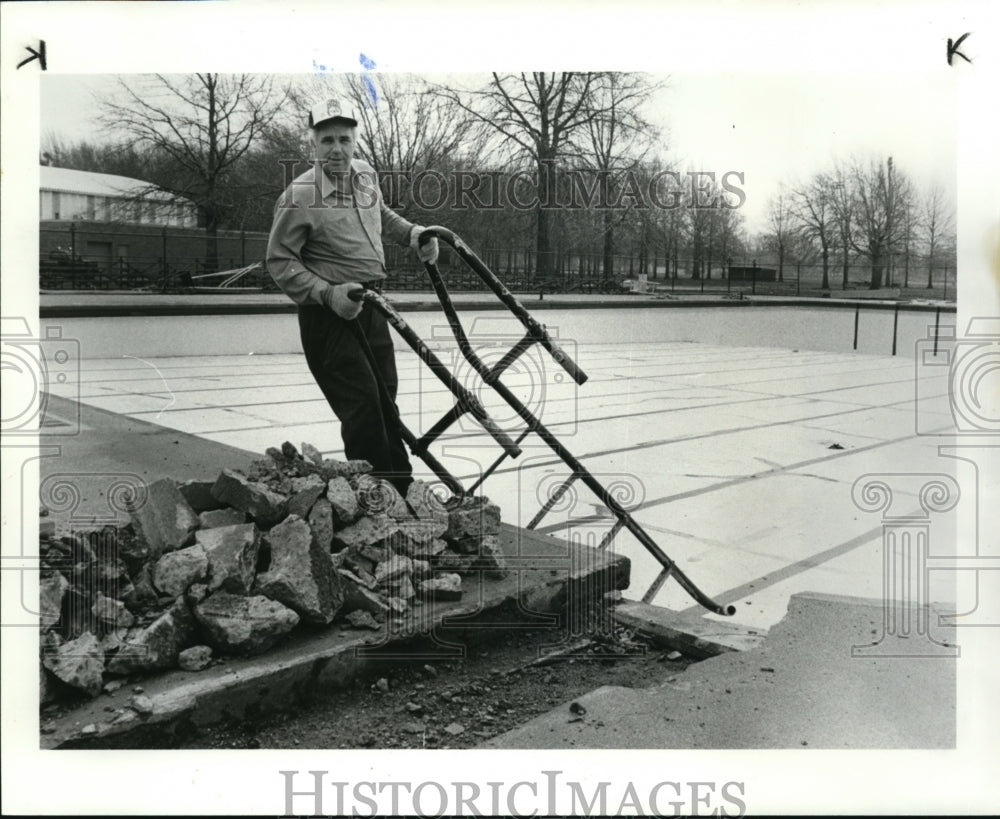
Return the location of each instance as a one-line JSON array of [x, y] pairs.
[[331, 109]]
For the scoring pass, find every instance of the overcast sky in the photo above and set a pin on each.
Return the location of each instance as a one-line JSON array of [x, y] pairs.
[[776, 128]]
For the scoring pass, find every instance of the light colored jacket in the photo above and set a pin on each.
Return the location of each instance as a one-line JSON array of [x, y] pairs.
[[316, 242]]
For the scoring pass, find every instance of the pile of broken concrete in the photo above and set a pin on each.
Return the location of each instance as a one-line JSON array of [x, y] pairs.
[[231, 567]]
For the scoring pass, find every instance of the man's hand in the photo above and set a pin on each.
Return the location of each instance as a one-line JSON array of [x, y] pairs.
[[429, 252], [336, 299]]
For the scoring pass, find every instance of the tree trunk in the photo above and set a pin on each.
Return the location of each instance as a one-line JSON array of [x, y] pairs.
[[609, 245], [877, 267], [826, 268]]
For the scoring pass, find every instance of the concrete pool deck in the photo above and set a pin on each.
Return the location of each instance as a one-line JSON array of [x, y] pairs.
[[754, 467], [739, 461]]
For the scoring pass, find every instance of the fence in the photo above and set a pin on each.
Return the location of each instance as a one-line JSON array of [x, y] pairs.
[[167, 258]]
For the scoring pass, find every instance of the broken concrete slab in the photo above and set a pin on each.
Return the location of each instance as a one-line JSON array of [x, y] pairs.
[[321, 517], [692, 634], [310, 661], [300, 574], [111, 614], [310, 453], [244, 625], [175, 571], [358, 597], [472, 519], [78, 663], [442, 587], [305, 492], [158, 646], [343, 501], [166, 521], [232, 553], [360, 618], [806, 685], [364, 532], [490, 557], [199, 495], [263, 505], [195, 658], [215, 518], [392, 569], [51, 589]]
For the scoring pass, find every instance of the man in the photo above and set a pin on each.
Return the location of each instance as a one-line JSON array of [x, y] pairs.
[[325, 242]]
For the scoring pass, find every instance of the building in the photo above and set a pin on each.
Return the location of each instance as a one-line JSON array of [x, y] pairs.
[[68, 195], [98, 230]]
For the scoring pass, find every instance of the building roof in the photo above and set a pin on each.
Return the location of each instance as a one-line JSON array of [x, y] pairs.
[[67, 180]]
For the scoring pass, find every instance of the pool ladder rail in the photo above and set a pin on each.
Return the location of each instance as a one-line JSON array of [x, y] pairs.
[[467, 404]]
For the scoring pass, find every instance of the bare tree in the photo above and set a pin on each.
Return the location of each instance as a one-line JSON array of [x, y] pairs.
[[405, 128], [618, 138], [813, 208], [780, 222], [879, 199], [538, 116], [938, 221], [205, 123], [841, 203]]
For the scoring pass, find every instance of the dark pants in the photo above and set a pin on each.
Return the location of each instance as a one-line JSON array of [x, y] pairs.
[[341, 369]]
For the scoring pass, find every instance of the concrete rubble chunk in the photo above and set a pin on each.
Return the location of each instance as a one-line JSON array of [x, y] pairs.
[[158, 646], [232, 556], [364, 532], [111, 613], [393, 569], [132, 550], [166, 521], [375, 553], [305, 492], [78, 663], [51, 590], [376, 496], [450, 561], [444, 587], [402, 587], [199, 495], [343, 501], [332, 468], [397, 606], [427, 506], [359, 618], [244, 625], [300, 574], [358, 597], [310, 453], [288, 461], [321, 521], [426, 551], [471, 519], [175, 571], [491, 558], [357, 580], [215, 518], [141, 704], [196, 592], [421, 569], [263, 505], [195, 658], [112, 641]]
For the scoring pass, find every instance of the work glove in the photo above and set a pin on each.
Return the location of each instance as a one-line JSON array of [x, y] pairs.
[[429, 252], [336, 299]]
